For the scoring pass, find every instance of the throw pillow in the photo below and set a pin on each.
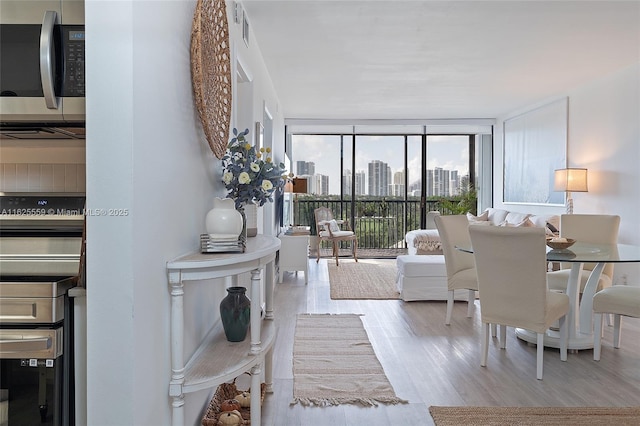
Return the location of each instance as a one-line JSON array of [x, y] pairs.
[[481, 218], [516, 218], [332, 226], [524, 224]]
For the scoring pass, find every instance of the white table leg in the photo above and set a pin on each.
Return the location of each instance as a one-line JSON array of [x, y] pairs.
[[268, 288], [573, 291], [177, 359], [577, 339], [268, 370], [256, 371], [255, 312], [586, 305]]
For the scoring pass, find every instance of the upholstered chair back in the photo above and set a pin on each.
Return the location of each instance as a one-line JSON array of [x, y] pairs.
[[512, 283], [454, 231], [510, 263], [591, 228]]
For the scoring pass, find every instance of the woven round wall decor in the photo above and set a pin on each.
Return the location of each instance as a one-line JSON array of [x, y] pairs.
[[211, 72]]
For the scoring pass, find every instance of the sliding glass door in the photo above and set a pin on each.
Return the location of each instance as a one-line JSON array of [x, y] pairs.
[[382, 184]]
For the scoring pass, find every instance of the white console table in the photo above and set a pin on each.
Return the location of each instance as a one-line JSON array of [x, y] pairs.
[[217, 360]]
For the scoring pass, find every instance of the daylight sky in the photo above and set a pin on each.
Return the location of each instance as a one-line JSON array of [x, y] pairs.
[[447, 152]]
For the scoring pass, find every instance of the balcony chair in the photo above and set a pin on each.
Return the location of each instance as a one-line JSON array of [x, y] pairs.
[[329, 229], [619, 300], [461, 268], [513, 287], [590, 228]]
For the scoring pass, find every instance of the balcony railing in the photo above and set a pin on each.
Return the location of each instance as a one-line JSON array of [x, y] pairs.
[[379, 222]]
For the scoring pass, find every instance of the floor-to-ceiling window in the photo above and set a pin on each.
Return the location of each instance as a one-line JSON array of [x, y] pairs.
[[383, 184]]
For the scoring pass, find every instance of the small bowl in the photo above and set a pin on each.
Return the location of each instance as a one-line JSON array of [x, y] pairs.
[[561, 245]]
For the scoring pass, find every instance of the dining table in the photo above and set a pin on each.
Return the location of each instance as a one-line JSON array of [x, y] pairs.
[[580, 315]]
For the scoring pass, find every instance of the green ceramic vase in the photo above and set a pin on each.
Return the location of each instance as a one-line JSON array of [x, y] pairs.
[[235, 312]]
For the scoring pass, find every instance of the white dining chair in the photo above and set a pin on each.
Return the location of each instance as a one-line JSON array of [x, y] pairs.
[[587, 228], [619, 300], [510, 263], [460, 266]]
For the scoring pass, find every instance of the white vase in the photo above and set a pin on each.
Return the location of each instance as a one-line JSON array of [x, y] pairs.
[[223, 220]]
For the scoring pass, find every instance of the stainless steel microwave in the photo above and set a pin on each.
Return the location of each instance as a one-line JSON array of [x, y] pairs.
[[42, 56]]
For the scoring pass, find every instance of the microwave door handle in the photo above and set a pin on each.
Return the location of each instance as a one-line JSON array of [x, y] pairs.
[[46, 59]]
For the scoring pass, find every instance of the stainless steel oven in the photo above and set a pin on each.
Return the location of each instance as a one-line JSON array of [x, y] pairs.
[[40, 246], [35, 368]]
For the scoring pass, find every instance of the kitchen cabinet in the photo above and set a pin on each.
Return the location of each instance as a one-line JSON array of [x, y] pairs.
[[217, 360]]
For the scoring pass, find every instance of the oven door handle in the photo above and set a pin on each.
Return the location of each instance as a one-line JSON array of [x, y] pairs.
[[25, 345]]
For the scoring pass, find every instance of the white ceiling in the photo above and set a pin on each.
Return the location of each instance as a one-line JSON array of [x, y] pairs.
[[437, 59]]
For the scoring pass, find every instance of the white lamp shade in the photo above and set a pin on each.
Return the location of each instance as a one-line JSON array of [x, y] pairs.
[[570, 180]]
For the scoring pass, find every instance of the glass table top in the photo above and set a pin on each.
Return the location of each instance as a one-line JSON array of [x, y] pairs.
[[588, 252]]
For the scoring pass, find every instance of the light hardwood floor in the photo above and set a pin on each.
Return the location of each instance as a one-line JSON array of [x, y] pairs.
[[429, 363]]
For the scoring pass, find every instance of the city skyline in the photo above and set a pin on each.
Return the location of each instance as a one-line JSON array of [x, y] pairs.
[[379, 181], [443, 152]]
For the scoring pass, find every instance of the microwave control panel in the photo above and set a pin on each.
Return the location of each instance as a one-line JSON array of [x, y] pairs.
[[73, 42]]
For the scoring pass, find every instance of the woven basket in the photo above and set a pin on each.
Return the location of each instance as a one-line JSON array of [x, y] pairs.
[[228, 391]]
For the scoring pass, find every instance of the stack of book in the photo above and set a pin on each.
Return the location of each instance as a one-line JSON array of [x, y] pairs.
[[210, 243]]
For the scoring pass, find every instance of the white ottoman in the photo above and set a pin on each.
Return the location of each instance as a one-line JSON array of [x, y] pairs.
[[423, 277]]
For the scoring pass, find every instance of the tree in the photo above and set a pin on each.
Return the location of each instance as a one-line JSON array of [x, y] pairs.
[[467, 201]]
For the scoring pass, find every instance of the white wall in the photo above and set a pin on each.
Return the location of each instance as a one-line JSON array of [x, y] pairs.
[[604, 137], [146, 153]]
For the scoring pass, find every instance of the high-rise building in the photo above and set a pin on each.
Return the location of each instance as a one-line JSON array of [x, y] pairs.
[[440, 182], [346, 182], [445, 183], [324, 184], [360, 182], [317, 184], [430, 186], [379, 177], [454, 183], [305, 168], [464, 183], [397, 188]]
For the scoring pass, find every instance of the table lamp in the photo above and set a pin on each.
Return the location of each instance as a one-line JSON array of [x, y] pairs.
[[570, 180]]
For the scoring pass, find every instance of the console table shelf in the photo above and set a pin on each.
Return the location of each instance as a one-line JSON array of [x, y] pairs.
[[217, 360]]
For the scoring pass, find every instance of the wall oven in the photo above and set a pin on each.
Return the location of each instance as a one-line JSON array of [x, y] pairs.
[[40, 246], [42, 62]]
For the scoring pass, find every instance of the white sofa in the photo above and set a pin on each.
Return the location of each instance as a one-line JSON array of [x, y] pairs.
[[427, 241], [424, 278]]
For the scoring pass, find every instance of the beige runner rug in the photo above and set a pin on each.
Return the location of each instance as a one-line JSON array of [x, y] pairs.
[[334, 363], [535, 416], [364, 279]]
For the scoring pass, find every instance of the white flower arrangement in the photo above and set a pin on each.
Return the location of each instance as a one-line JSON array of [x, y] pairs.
[[247, 176]]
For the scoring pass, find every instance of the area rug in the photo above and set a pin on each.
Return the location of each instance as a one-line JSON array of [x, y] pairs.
[[364, 279], [334, 363], [538, 416]]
